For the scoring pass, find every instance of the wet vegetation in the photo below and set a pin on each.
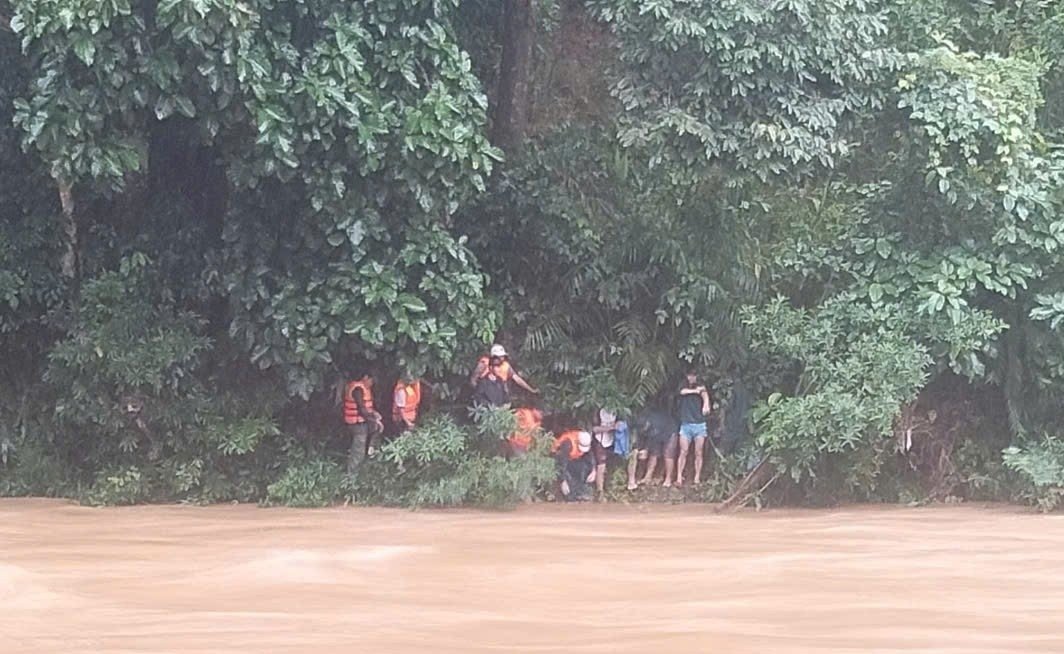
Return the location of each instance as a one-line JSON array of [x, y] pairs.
[[213, 212]]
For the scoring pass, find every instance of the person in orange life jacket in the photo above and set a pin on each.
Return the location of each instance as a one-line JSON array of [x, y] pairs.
[[529, 421], [406, 400], [361, 418], [572, 457], [497, 364]]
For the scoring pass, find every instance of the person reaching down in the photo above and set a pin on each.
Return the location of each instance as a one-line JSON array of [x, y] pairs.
[[572, 457]]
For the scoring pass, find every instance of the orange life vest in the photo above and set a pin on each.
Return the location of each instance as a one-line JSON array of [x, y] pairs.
[[504, 371], [528, 421], [573, 437], [351, 413], [412, 392]]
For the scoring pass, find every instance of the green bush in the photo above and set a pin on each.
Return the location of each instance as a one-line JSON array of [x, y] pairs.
[[1042, 464], [313, 483], [442, 463], [120, 485]]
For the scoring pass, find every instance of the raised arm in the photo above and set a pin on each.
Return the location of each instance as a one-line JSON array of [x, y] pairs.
[[517, 379], [478, 372]]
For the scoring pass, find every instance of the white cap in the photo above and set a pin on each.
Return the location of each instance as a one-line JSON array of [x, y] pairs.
[[584, 441], [498, 350]]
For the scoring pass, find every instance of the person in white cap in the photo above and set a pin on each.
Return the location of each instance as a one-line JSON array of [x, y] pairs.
[[497, 366], [572, 455], [604, 434]]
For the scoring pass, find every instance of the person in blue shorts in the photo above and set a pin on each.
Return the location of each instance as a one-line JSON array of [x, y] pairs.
[[692, 406]]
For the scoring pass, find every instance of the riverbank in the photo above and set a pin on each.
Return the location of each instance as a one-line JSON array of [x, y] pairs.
[[543, 578]]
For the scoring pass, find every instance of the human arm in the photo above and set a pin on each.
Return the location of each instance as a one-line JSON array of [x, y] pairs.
[[372, 416], [706, 406], [561, 460], [517, 379], [478, 372]]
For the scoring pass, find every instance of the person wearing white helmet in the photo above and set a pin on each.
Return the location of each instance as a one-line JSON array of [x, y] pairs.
[[572, 456], [497, 370]]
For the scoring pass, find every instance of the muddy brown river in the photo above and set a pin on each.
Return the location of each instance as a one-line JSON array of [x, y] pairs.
[[545, 578]]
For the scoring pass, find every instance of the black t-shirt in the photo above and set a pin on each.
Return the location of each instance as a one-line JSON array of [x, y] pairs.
[[491, 392], [689, 407]]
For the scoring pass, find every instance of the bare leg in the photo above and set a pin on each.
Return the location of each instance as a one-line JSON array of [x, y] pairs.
[[633, 464], [700, 448], [600, 479], [681, 461], [652, 463]]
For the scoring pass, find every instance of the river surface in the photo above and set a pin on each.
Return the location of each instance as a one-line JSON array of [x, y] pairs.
[[545, 578]]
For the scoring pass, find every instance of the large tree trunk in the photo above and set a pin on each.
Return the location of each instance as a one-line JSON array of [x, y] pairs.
[[510, 122], [68, 262]]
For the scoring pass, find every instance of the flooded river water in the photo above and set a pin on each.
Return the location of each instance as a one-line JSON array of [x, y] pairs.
[[545, 578]]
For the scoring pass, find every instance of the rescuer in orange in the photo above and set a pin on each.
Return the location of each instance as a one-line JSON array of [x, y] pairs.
[[575, 468], [361, 419], [492, 376], [528, 423], [406, 400]]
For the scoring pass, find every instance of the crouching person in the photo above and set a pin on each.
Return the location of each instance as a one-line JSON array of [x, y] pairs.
[[575, 467]]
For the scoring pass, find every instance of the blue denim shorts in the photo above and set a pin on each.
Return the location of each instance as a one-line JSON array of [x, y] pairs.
[[692, 430]]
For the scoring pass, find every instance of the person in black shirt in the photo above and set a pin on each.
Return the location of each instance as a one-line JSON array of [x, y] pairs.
[[655, 433], [692, 404]]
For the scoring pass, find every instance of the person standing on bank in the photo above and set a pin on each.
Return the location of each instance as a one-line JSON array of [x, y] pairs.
[[498, 363], [362, 420], [491, 379], [693, 407], [406, 399]]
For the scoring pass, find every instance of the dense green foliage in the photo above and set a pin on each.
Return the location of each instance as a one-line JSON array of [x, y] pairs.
[[213, 212]]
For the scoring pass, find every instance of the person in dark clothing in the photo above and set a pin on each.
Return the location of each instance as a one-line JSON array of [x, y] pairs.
[[693, 407], [361, 418], [574, 462], [656, 432], [491, 390]]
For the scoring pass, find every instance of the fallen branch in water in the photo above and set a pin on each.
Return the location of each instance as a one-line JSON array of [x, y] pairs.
[[753, 478]]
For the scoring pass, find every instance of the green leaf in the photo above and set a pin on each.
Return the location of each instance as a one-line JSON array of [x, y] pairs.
[[875, 292], [84, 49], [185, 106], [413, 303]]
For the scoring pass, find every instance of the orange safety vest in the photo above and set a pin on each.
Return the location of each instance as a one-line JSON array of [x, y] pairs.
[[573, 436], [505, 372], [351, 413], [528, 421], [408, 412]]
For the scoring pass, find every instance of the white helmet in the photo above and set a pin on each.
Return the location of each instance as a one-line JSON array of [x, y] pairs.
[[498, 350]]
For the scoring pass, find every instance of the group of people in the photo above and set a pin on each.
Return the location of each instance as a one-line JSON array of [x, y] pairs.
[[365, 424], [655, 436], [491, 381]]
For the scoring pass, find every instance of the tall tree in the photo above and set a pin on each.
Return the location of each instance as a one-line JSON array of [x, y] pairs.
[[510, 119]]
